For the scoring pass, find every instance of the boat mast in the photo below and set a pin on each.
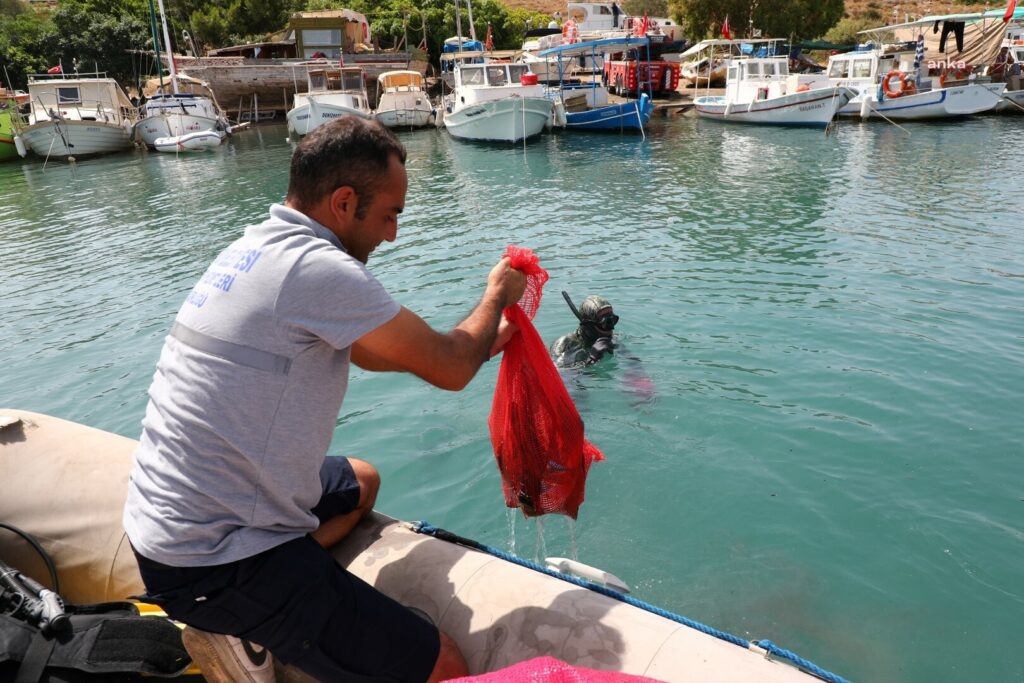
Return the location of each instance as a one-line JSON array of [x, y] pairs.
[[469, 11], [458, 24], [156, 45], [170, 51]]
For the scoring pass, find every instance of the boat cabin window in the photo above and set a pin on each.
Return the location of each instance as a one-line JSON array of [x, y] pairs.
[[351, 80], [732, 73], [861, 68], [518, 71], [753, 69], [769, 69], [318, 81], [473, 75], [886, 64], [68, 96], [496, 75], [840, 68]]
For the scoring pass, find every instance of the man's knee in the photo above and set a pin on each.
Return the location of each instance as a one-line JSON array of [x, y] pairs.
[[450, 662], [369, 482]]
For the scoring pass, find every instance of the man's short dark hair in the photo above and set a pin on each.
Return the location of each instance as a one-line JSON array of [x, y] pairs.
[[349, 151]]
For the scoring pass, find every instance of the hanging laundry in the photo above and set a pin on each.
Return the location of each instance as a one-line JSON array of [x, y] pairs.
[[957, 29]]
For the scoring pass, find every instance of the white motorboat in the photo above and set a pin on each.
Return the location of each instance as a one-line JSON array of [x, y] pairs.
[[403, 100], [65, 485], [496, 101], [889, 86], [71, 117], [180, 111], [199, 141], [333, 92], [760, 90]]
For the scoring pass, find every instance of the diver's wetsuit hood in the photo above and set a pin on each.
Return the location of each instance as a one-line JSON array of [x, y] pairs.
[[588, 316]]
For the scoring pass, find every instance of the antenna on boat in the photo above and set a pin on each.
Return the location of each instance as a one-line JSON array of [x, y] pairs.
[[469, 12]]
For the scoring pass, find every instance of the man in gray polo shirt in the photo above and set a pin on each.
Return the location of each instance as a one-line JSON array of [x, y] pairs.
[[231, 500]]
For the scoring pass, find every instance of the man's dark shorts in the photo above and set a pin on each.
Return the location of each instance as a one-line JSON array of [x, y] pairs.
[[296, 601]]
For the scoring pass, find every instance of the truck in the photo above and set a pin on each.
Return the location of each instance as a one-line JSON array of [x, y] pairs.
[[633, 76]]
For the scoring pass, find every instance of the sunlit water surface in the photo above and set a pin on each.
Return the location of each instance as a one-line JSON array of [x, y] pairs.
[[833, 328]]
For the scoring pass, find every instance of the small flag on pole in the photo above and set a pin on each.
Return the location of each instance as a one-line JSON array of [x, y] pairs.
[[726, 33], [55, 70], [1009, 11], [489, 43]]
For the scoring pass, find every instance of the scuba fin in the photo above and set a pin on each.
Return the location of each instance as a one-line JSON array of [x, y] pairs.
[[572, 306]]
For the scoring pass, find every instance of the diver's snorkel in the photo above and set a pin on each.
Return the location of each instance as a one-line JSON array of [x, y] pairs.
[[572, 306]]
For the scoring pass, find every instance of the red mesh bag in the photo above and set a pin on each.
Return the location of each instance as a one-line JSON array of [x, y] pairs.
[[551, 670], [536, 432]]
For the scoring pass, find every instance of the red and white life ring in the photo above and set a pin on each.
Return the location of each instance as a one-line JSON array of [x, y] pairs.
[[887, 84]]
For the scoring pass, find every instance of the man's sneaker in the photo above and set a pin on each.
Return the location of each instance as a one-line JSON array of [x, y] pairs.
[[226, 659]]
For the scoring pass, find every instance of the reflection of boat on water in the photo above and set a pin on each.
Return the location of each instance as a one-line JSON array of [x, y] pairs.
[[332, 93], [66, 485]]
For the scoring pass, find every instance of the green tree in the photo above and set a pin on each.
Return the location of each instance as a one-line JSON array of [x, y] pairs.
[[27, 46], [96, 39], [774, 18], [845, 32], [652, 8]]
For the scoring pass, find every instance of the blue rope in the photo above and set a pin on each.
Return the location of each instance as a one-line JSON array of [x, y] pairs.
[[768, 646]]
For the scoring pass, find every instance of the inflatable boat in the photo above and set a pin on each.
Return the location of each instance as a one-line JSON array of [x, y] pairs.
[[65, 484], [199, 141]]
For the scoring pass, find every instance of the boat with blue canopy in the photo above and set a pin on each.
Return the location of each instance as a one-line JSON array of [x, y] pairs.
[[586, 103]]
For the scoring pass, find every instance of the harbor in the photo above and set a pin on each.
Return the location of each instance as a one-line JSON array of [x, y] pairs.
[[808, 415], [831, 326]]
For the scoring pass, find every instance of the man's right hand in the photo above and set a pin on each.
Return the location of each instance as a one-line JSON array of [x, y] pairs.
[[507, 282]]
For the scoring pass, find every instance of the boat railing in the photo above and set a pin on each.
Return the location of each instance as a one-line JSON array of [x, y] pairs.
[[83, 110], [65, 76]]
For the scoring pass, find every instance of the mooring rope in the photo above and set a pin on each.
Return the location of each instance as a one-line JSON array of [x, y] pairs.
[[765, 646]]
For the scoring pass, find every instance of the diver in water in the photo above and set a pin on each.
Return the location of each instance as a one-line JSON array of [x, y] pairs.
[[592, 339]]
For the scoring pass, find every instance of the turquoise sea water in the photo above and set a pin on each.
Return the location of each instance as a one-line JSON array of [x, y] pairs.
[[833, 455]]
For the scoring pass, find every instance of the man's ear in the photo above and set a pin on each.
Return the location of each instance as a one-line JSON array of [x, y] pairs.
[[344, 203]]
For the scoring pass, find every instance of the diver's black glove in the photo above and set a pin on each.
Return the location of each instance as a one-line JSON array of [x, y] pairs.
[[602, 346]]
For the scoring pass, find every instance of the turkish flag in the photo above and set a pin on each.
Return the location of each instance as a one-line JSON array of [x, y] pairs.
[[727, 34], [55, 70], [1009, 10]]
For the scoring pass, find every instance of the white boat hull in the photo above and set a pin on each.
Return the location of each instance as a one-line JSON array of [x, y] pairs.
[[807, 108], [510, 119], [149, 129], [60, 139], [404, 110], [943, 103], [1011, 102], [307, 117], [199, 141]]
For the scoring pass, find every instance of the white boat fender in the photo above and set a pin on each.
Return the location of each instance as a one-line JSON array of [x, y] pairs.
[[865, 107], [728, 109], [19, 144], [586, 572]]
